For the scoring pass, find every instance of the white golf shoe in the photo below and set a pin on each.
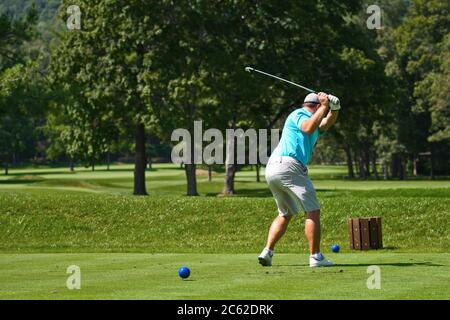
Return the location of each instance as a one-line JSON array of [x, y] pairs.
[[319, 260], [265, 258]]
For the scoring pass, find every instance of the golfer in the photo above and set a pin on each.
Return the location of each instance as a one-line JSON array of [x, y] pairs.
[[287, 175]]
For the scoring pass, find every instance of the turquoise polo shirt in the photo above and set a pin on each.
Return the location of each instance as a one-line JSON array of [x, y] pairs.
[[294, 142]]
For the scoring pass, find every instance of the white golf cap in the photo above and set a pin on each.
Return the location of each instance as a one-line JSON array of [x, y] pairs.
[[312, 98]]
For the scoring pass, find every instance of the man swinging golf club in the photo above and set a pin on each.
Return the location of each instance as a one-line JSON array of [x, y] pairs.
[[287, 174]]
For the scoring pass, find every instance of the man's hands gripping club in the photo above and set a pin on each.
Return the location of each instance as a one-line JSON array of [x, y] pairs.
[[333, 101], [335, 104], [318, 120], [332, 116]]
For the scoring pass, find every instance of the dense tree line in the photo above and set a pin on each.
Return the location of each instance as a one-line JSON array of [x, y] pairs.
[[139, 69]]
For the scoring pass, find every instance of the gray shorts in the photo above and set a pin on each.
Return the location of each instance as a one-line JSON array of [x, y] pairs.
[[288, 180]]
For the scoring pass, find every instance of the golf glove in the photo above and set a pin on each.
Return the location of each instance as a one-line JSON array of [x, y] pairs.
[[335, 104]]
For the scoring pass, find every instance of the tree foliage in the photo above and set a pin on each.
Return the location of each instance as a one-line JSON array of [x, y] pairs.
[[139, 69], [21, 86]]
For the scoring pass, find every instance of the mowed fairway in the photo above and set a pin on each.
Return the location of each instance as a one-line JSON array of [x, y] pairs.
[[131, 247], [223, 276]]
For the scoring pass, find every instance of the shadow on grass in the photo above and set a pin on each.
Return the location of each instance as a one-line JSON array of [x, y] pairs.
[[83, 170], [24, 173], [391, 264], [132, 170], [255, 193], [266, 193], [21, 181]]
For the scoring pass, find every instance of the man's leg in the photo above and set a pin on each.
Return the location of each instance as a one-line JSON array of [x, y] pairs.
[[312, 231], [277, 230]]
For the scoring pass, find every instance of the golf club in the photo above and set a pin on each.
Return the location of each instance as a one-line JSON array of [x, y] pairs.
[[330, 97]]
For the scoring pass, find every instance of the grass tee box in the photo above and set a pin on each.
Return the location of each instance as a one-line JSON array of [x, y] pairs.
[[132, 247], [89, 211], [223, 276], [365, 233]]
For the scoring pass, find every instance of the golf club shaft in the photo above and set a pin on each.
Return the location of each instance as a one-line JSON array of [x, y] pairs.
[[281, 79]]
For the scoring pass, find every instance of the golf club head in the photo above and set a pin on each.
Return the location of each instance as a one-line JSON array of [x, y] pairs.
[[249, 69]]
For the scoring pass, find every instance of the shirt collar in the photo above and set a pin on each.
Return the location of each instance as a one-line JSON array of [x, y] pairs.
[[307, 112]]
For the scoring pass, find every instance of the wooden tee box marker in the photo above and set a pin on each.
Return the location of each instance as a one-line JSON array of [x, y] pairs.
[[365, 233]]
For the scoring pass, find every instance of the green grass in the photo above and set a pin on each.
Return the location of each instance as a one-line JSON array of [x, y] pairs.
[[223, 276], [170, 179], [131, 247], [62, 221]]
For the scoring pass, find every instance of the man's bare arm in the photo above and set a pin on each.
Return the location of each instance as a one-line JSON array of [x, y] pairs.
[[310, 125], [328, 121]]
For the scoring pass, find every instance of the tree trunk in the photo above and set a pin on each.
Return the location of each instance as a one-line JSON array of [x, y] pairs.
[[348, 157], [414, 165], [108, 161], [230, 167], [366, 157], [385, 170], [258, 177], [149, 163], [228, 188], [395, 166], [401, 169], [140, 161], [6, 168], [405, 168], [209, 173], [431, 165], [374, 165], [71, 165], [362, 167], [93, 166], [190, 170], [191, 179]]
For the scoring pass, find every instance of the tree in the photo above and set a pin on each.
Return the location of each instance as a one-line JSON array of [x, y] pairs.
[[102, 67], [275, 37], [13, 34], [435, 89], [341, 58], [420, 61], [184, 72], [21, 102], [20, 88]]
